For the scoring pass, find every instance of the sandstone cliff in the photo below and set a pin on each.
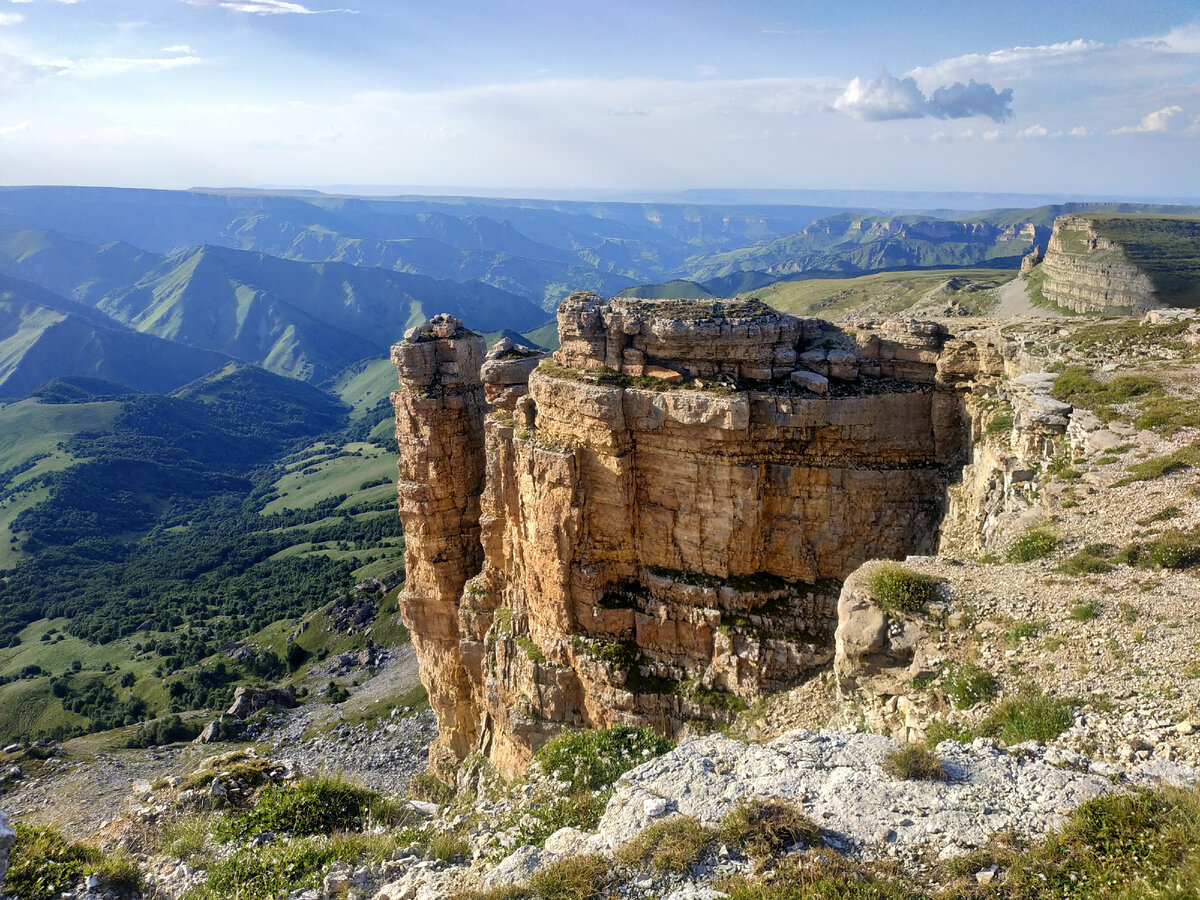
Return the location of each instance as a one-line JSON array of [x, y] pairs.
[[657, 531], [1121, 264]]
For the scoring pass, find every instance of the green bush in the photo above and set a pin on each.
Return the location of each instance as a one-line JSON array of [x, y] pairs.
[[1173, 549], [914, 762], [1034, 544], [671, 844], [898, 588], [1030, 716], [1091, 560], [593, 760], [44, 864], [967, 684], [321, 805]]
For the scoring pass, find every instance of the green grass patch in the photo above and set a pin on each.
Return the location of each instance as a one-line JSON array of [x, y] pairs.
[[1173, 549], [44, 864], [967, 684], [1034, 544], [1030, 716], [320, 805], [888, 292], [1023, 630], [897, 588], [265, 872], [672, 844], [1085, 612], [1093, 559], [1077, 386], [1160, 466]]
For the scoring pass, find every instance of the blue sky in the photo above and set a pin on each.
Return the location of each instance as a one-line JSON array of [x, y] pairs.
[[1099, 98]]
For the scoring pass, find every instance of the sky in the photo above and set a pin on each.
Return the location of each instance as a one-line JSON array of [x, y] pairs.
[[1066, 98]]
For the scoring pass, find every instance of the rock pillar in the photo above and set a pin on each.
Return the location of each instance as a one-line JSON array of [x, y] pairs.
[[439, 429]]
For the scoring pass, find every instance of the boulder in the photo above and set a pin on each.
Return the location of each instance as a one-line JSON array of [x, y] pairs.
[[877, 650], [248, 700]]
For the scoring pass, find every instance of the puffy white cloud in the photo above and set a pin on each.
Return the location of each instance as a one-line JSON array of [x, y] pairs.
[[887, 97], [1033, 131], [1160, 120], [10, 19], [883, 97]]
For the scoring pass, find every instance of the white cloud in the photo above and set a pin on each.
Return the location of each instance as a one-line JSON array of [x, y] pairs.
[[1159, 121], [1080, 132], [881, 98], [10, 19], [887, 97], [265, 7], [179, 48], [15, 128], [1011, 62], [1033, 131], [1184, 39]]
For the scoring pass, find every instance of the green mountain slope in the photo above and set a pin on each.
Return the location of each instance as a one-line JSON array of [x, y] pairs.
[[303, 320], [72, 269], [43, 336]]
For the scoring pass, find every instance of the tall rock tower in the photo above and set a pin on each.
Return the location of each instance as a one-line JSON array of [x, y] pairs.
[[439, 428]]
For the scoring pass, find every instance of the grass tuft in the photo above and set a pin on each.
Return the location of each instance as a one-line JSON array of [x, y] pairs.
[[763, 829], [1034, 544], [897, 588], [672, 845], [967, 684], [44, 864], [914, 762], [1030, 716]]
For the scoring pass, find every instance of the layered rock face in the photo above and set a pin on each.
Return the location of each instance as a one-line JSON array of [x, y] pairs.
[[439, 427], [1087, 272], [658, 530]]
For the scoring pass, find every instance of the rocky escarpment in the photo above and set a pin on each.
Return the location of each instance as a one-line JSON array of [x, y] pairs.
[[1122, 264], [657, 531]]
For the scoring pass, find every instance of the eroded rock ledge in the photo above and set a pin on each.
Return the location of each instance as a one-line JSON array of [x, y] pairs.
[[657, 531]]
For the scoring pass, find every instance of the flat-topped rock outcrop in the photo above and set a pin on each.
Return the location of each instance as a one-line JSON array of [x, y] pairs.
[[1122, 264], [657, 531]]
